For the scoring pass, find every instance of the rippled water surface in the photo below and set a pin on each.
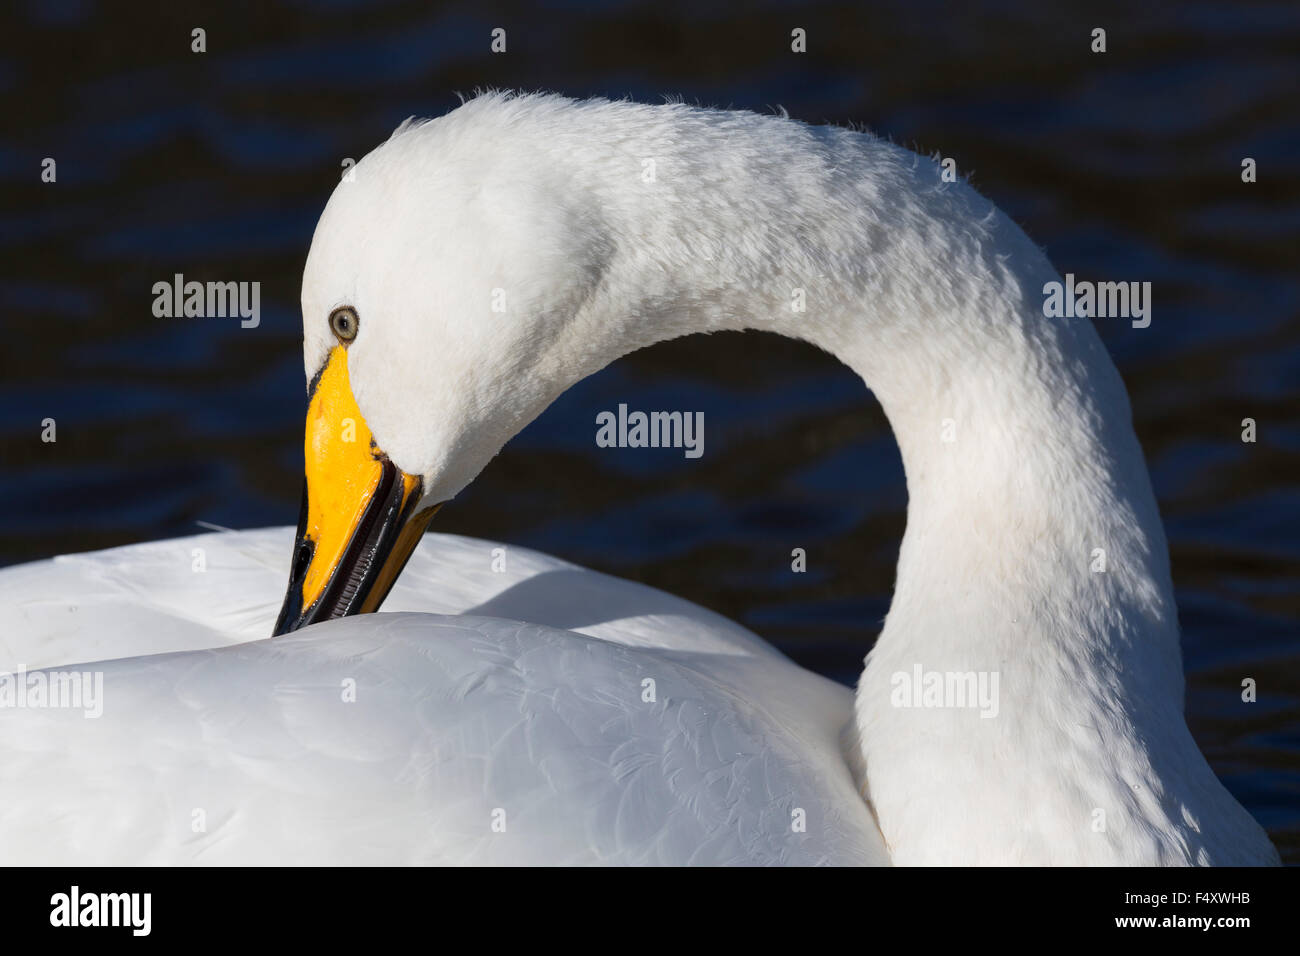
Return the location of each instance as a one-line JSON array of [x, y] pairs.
[[216, 165]]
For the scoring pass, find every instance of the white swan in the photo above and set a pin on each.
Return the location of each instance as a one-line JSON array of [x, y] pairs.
[[476, 267]]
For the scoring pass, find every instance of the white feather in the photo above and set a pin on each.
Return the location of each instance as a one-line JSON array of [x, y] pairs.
[[468, 739]]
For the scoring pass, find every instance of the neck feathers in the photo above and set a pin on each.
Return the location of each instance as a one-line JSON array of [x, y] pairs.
[[1034, 551]]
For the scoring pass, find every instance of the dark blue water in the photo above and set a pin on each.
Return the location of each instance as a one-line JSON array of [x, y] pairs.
[[1124, 165]]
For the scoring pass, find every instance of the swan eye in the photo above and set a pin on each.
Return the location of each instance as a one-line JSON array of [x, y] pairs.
[[345, 323]]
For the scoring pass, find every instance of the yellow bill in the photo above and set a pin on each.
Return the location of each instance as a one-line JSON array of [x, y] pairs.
[[358, 525]]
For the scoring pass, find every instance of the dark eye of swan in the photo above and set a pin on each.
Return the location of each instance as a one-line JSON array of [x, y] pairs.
[[345, 323]]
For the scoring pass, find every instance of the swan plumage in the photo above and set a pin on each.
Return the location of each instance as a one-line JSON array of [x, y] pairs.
[[497, 255], [471, 737]]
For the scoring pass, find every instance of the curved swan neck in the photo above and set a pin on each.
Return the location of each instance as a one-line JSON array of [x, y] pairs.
[[1034, 554], [1014, 428]]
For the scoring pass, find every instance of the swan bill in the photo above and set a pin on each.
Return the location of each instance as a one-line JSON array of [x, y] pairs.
[[359, 521]]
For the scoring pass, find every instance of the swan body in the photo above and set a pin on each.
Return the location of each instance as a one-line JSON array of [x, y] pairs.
[[470, 737], [495, 256]]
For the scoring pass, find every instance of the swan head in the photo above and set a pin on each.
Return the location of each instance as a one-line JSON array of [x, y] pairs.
[[444, 305]]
